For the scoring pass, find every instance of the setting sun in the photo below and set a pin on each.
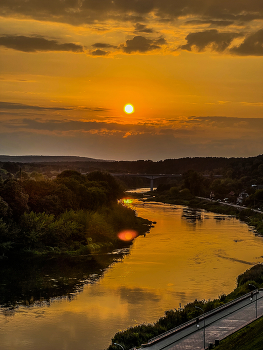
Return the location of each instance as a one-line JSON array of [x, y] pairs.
[[128, 109]]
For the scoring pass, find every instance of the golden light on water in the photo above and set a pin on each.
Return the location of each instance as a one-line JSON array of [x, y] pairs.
[[127, 201], [127, 235], [128, 108]]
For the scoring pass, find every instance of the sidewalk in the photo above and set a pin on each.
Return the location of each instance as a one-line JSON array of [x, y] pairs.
[[219, 323]]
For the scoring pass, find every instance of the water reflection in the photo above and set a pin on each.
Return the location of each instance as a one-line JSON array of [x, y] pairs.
[[38, 281], [192, 215], [187, 255]]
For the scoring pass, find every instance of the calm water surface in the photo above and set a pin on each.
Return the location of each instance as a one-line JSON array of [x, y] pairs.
[[187, 255]]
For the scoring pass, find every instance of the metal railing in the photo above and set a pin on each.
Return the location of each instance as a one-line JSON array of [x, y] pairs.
[[202, 317]]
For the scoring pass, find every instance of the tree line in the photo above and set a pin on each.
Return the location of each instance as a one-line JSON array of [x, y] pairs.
[[73, 213]]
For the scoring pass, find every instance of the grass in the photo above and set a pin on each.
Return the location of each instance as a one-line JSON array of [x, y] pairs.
[[247, 338]]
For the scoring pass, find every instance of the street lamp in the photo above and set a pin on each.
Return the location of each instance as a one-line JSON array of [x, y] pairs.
[[119, 345], [252, 285], [197, 307]]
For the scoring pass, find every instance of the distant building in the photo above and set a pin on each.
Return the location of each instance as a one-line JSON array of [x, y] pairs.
[[241, 197]]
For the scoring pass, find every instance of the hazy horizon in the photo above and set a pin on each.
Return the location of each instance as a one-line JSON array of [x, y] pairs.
[[108, 160]]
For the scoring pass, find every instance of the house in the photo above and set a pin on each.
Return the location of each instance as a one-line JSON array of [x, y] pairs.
[[241, 197]]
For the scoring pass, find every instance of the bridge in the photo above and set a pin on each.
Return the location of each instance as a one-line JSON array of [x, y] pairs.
[[148, 176], [210, 327], [156, 176]]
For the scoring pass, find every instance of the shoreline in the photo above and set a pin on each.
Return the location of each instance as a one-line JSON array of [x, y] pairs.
[[140, 334], [251, 217]]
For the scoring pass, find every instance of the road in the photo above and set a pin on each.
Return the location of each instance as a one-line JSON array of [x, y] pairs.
[[231, 205], [219, 323]]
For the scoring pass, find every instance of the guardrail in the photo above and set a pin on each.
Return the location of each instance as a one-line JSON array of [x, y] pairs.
[[206, 315]]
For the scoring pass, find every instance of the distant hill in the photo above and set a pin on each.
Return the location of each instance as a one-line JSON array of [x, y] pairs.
[[47, 159], [229, 167]]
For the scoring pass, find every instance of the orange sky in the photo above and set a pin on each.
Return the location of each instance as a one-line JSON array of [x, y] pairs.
[[192, 69]]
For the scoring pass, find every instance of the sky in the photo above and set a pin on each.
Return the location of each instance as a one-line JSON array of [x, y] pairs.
[[192, 69]]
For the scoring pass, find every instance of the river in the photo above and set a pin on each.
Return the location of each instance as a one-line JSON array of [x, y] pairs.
[[187, 255]]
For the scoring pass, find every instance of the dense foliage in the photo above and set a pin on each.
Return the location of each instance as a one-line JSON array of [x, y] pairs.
[[73, 213]]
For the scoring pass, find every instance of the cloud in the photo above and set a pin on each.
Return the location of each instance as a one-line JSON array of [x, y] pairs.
[[179, 127], [19, 106], [212, 13], [12, 105], [36, 43], [181, 137], [142, 28], [221, 122], [99, 52], [139, 146], [87, 11], [212, 23], [65, 125], [209, 38], [251, 46], [142, 44], [103, 46]]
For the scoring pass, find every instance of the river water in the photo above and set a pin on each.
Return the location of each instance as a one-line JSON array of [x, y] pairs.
[[187, 255]]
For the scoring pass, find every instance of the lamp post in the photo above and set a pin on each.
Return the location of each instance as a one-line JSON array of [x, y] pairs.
[[252, 285], [197, 307], [119, 345]]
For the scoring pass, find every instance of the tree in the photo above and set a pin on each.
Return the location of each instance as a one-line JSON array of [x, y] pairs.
[[107, 180], [72, 174], [194, 182], [4, 208], [260, 169], [11, 167], [13, 194]]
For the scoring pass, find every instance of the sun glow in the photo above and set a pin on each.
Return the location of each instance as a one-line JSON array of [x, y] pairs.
[[128, 109], [127, 235]]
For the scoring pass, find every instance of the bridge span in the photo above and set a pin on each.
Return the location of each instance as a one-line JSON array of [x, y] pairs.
[[148, 176], [156, 176]]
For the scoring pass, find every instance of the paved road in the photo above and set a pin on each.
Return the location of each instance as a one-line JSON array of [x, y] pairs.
[[218, 325], [231, 205]]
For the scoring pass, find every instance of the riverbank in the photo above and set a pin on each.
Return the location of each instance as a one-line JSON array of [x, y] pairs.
[[41, 266], [73, 233], [251, 217], [175, 263], [135, 336], [33, 276]]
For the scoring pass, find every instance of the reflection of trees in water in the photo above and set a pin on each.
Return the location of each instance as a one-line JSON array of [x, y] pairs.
[[41, 281], [219, 218], [192, 215]]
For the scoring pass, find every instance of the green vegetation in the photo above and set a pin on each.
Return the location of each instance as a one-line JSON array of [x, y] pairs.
[[72, 214], [244, 214], [76, 215], [247, 338], [216, 192], [135, 336]]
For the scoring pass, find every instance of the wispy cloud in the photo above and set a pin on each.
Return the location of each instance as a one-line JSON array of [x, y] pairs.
[[12, 105], [142, 28], [180, 127], [36, 44], [21, 106]]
